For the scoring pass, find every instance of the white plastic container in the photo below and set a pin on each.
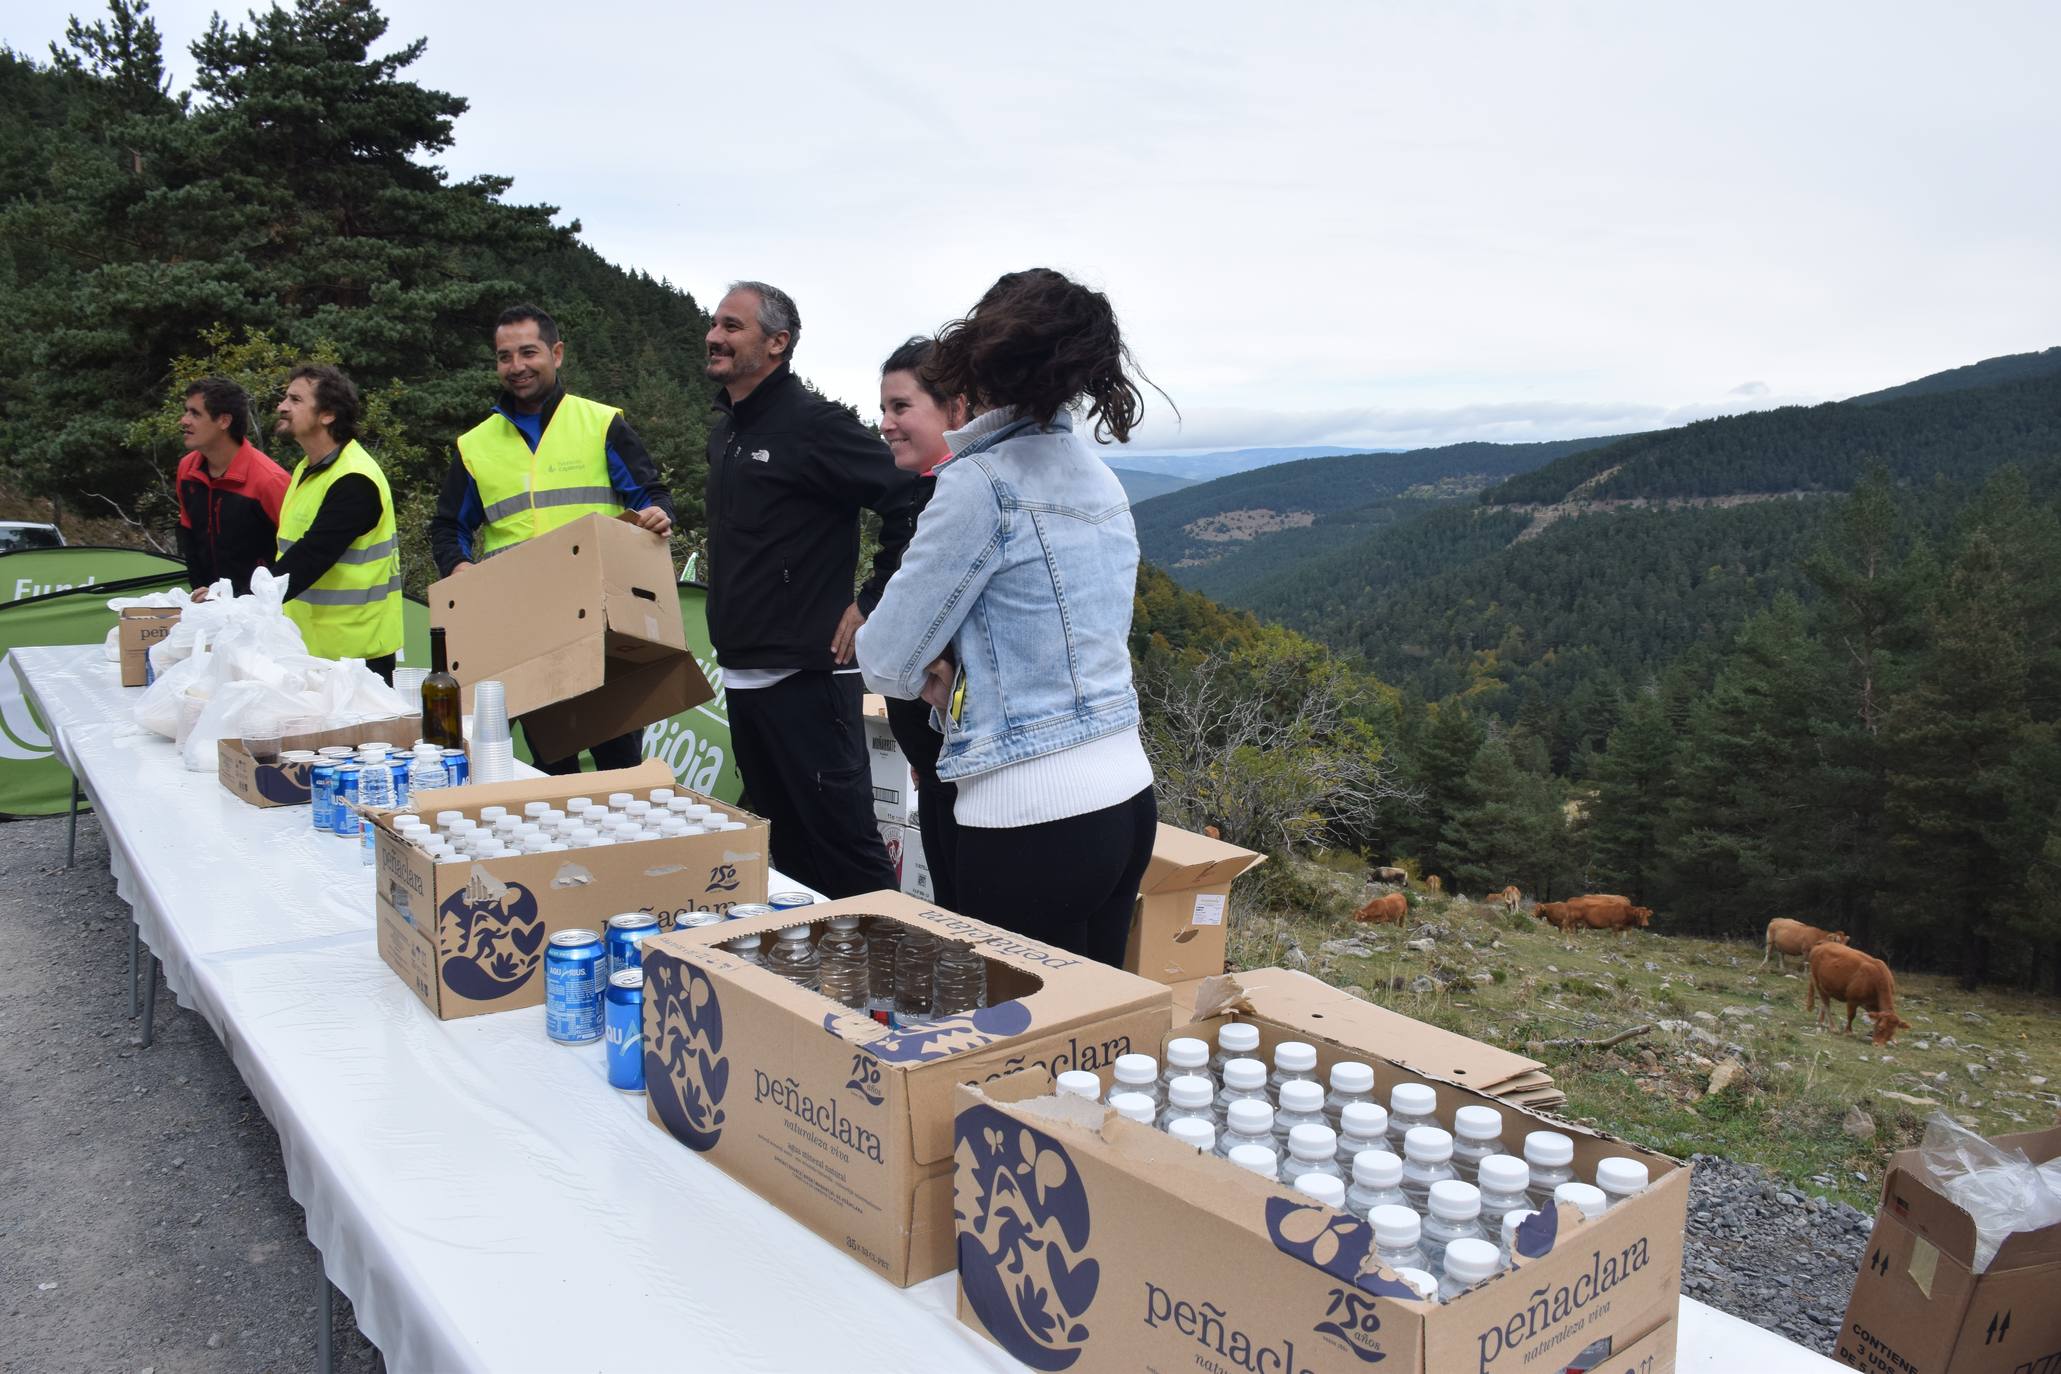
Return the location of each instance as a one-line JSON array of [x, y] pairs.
[[1551, 1157], [1188, 1095], [1248, 1122], [1294, 1062], [1132, 1107], [1377, 1179], [1351, 1081], [1477, 1134], [1467, 1261], [1193, 1130], [1363, 1126], [1454, 1214], [1301, 1104], [1427, 1159], [1323, 1187], [1243, 1080], [1137, 1073], [1080, 1083], [1396, 1234], [1621, 1178], [1312, 1149], [1256, 1159], [1409, 1105], [1235, 1040]]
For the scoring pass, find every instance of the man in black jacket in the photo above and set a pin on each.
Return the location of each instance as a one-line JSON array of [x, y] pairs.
[[788, 473]]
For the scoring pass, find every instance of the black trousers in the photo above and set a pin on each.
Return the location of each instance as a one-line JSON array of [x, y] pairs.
[[910, 722], [624, 751], [384, 666], [1070, 884], [802, 751]]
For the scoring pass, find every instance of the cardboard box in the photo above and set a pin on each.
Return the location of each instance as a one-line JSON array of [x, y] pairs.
[[582, 626], [139, 628], [894, 785], [1089, 1243], [1918, 1306], [1182, 920], [904, 845], [833, 1117], [469, 936], [286, 784]]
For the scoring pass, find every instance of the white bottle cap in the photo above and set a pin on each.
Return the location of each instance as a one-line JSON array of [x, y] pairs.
[[639, 809], [1505, 1174], [489, 814], [1587, 1197], [507, 825], [447, 819], [1245, 1075], [1367, 1120], [1453, 1200], [1190, 1091], [1548, 1150], [1426, 1286], [1395, 1228], [550, 815], [1513, 1220], [699, 810], [1323, 1188], [1238, 1038], [660, 795], [1427, 1145], [749, 944], [1377, 1169], [1412, 1099], [680, 806], [1293, 1056], [795, 933], [1250, 1116], [1080, 1083], [578, 803], [731, 825], [464, 825], [1622, 1177], [1310, 1141], [841, 923], [1136, 1068], [535, 809], [618, 800], [1301, 1095], [1351, 1076], [1477, 1123], [1186, 1052], [1130, 1106], [1255, 1159], [1470, 1261], [1193, 1130]]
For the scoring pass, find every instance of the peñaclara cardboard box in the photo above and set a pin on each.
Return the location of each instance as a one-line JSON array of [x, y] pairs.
[[581, 625], [286, 784], [1919, 1307], [840, 1121], [141, 627], [1182, 920], [469, 936]]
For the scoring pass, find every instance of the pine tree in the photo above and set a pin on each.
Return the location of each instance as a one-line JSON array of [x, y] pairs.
[[1634, 786], [1440, 775], [1510, 832]]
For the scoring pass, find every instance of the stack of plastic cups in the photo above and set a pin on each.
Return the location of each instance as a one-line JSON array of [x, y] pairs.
[[493, 747], [408, 682]]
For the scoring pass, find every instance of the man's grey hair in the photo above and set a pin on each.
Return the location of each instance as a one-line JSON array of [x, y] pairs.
[[776, 312]]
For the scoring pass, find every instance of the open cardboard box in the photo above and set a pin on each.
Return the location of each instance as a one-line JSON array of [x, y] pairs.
[[1919, 1307], [469, 935], [286, 784], [581, 626], [139, 628], [1181, 923], [840, 1121]]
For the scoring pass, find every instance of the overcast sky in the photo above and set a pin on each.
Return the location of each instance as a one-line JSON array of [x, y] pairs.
[[1354, 223]]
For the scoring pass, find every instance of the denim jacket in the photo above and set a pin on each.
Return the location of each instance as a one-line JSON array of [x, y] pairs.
[[1024, 565]]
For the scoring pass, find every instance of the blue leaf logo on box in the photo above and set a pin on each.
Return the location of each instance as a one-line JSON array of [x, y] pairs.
[[500, 940], [685, 1070], [280, 787], [1022, 1217], [1536, 1233], [918, 1042]]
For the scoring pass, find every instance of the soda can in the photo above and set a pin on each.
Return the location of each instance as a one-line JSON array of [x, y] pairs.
[[788, 901], [398, 762], [456, 765], [343, 814], [626, 936], [322, 795], [575, 975], [743, 911], [624, 1013], [689, 920]]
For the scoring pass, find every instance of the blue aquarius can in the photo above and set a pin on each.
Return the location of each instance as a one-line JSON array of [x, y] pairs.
[[399, 761], [788, 901], [626, 936], [743, 911], [322, 795], [457, 767], [624, 1013], [343, 809], [575, 977]]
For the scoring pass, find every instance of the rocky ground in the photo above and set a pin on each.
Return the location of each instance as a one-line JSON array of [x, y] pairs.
[[1770, 1253]]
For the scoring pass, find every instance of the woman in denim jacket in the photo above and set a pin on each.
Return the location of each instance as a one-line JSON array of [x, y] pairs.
[[1011, 616]]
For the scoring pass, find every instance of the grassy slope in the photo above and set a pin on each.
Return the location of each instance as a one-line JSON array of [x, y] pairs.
[[1799, 1082]]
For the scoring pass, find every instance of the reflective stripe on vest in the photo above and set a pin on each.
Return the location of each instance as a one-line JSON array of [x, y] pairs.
[[525, 493], [353, 610]]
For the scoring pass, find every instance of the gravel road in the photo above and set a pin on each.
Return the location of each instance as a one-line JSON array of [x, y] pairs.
[[1771, 1253]]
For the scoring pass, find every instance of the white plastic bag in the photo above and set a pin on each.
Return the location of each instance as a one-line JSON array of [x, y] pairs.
[[1999, 1189], [111, 646]]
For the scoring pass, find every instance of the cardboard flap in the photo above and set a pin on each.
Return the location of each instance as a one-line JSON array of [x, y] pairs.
[[1182, 859], [1914, 1197]]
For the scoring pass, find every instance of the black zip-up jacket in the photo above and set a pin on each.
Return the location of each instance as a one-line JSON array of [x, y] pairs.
[[788, 473]]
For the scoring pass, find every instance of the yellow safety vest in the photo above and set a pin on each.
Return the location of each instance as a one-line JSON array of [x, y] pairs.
[[354, 609], [531, 493]]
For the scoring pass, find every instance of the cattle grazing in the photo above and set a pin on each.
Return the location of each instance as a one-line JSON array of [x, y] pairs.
[[1611, 916], [1393, 908], [1512, 898], [1389, 875], [1558, 914], [1434, 884], [1842, 973], [1787, 939]]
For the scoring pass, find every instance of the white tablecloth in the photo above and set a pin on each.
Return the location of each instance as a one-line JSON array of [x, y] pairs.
[[480, 1193]]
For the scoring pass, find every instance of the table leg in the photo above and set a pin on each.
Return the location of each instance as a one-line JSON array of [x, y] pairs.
[[71, 832], [325, 1354], [135, 939], [149, 1000]]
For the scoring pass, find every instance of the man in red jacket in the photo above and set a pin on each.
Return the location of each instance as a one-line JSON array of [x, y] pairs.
[[229, 491]]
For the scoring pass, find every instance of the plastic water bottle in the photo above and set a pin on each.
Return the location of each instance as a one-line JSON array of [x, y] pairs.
[[1362, 1126], [915, 975], [1313, 1149], [1244, 1080], [1187, 1055], [1621, 1178], [1246, 1123], [1130, 1106], [1188, 1095], [1409, 1105], [1255, 1159], [1396, 1234], [1586, 1198], [1427, 1159], [1551, 1157], [883, 942], [961, 983], [795, 959], [1294, 1062], [1137, 1073], [1511, 1221], [1351, 1081], [1323, 1187], [1503, 1180], [1421, 1280], [1079, 1083], [1455, 1214], [847, 965], [1477, 1134], [1377, 1178], [1467, 1262], [1235, 1040], [1302, 1104], [1193, 1130], [375, 790]]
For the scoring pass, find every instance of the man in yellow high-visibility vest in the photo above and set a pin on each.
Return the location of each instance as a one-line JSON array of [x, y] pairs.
[[337, 544], [544, 458]]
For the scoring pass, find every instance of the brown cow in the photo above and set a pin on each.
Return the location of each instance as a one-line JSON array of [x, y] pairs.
[[1787, 937], [1389, 875], [1610, 916], [1558, 914], [1863, 982], [1435, 884], [1512, 898], [1394, 907]]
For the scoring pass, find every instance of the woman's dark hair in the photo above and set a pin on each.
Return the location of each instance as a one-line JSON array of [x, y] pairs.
[[220, 398], [334, 393], [1036, 341], [913, 356]]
